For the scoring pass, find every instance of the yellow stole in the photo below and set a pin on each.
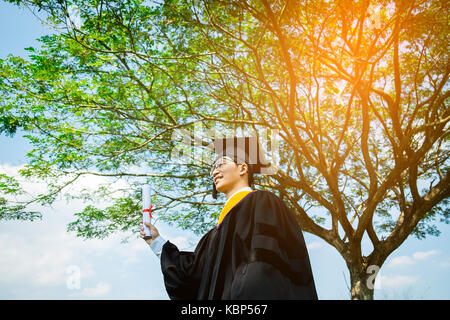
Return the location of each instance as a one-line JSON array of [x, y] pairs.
[[234, 200]]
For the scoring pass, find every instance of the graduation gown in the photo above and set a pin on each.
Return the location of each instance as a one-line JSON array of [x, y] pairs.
[[257, 252]]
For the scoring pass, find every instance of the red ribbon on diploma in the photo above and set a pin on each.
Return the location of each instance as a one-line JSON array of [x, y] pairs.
[[149, 210]]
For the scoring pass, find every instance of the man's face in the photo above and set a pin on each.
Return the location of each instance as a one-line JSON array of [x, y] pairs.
[[226, 173]]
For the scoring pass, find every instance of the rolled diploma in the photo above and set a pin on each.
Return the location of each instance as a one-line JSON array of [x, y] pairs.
[[146, 190]]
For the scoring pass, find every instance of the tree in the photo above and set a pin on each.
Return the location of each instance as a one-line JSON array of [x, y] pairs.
[[357, 91]]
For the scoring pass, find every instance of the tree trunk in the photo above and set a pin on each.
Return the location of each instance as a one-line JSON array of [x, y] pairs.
[[361, 284]]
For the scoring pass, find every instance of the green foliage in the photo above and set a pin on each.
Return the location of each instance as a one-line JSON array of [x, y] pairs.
[[100, 223], [361, 109], [10, 209]]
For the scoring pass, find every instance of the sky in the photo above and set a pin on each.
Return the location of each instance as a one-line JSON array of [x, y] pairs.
[[41, 260]]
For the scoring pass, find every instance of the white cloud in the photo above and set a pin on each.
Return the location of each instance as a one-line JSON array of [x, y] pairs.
[[11, 170], [416, 257], [38, 254], [40, 260], [133, 251], [182, 243], [424, 255], [31, 187], [445, 264], [396, 281], [401, 261], [34, 187], [314, 245], [101, 289]]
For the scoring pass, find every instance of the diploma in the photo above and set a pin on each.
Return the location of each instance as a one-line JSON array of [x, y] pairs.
[[146, 209]]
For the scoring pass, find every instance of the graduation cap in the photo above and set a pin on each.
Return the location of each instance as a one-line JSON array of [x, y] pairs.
[[240, 150]]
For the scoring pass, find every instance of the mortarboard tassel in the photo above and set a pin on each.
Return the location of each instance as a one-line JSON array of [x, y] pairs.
[[214, 193]]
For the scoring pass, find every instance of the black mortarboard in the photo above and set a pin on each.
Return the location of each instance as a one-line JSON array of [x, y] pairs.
[[241, 149]]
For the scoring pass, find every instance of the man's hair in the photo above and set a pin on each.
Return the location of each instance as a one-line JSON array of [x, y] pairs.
[[250, 175], [250, 171]]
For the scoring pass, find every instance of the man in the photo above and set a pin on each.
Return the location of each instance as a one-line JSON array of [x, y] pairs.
[[256, 251]]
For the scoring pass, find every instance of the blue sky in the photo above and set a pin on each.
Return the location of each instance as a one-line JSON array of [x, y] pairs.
[[40, 260]]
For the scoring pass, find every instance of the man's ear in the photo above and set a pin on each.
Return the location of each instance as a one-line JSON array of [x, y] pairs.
[[244, 169]]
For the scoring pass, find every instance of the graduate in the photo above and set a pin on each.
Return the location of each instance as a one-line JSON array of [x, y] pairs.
[[256, 250]]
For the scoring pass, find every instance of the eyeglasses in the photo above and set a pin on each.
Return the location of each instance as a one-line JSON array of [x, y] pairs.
[[219, 162]]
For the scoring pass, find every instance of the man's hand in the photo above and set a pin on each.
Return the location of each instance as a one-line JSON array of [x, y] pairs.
[[154, 232]]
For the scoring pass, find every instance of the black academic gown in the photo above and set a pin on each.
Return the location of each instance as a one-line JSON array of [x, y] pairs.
[[258, 252]]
